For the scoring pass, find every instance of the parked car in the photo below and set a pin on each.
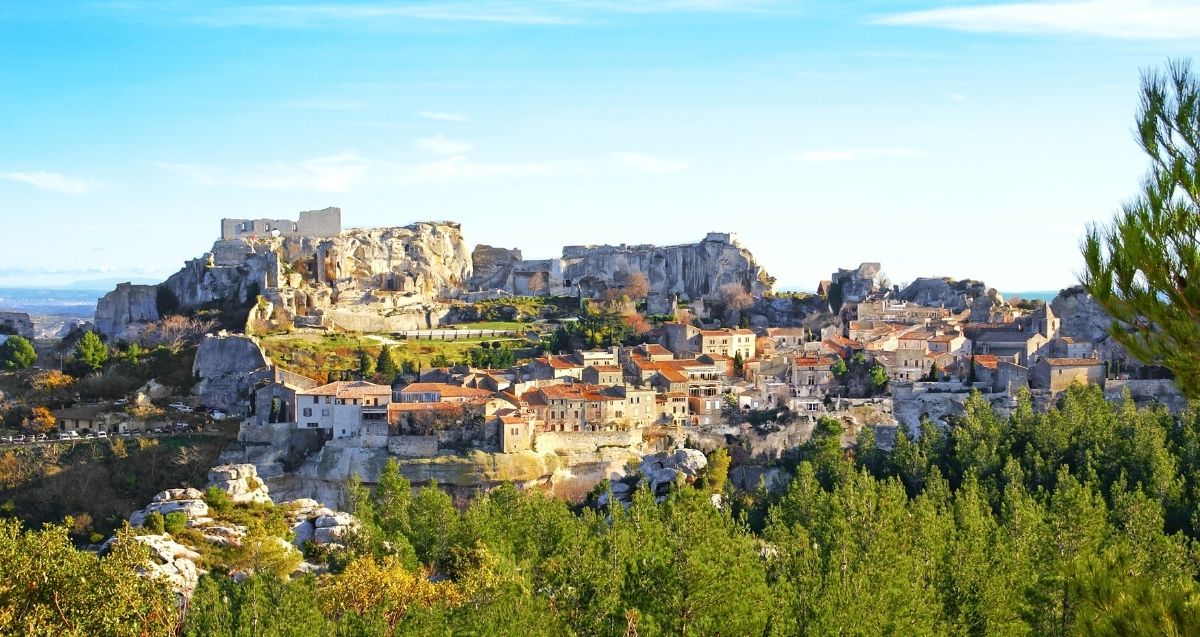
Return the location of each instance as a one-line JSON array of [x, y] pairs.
[[180, 407], [121, 402], [18, 438], [158, 430], [64, 436], [102, 434], [40, 438], [217, 414]]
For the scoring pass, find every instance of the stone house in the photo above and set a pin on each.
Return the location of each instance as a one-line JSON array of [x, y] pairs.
[[603, 375], [727, 342], [440, 392], [1057, 374], [574, 407], [788, 337], [812, 377], [82, 419], [516, 433], [344, 409], [552, 367]]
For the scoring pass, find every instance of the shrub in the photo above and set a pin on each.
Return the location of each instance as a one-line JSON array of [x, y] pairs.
[[154, 523], [175, 522], [218, 500]]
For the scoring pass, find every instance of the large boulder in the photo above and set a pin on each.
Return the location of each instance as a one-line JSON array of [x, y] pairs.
[[240, 482], [662, 469], [948, 293], [169, 560]]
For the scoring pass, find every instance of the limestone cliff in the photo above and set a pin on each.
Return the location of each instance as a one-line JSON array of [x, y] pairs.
[[228, 368], [1082, 318], [122, 313], [493, 267], [694, 270], [948, 293], [381, 279]]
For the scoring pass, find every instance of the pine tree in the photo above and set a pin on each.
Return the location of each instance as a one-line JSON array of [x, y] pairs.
[[91, 351], [366, 364], [385, 367], [1142, 269], [17, 353]]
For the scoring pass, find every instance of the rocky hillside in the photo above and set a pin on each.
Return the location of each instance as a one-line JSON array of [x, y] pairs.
[[382, 279], [693, 270]]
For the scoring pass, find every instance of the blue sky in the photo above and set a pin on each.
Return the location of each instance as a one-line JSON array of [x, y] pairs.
[[969, 139]]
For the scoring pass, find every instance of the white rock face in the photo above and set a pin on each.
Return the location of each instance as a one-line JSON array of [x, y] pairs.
[[228, 367], [17, 323], [240, 481], [122, 313], [169, 560], [663, 468]]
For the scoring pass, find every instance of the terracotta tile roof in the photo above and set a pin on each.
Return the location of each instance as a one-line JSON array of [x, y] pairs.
[[790, 331], [349, 389], [915, 335], [607, 368], [446, 390], [945, 338], [1073, 362], [817, 361], [987, 361], [672, 375], [654, 349]]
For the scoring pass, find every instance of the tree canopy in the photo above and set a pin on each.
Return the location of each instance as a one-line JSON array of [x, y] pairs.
[[1143, 267]]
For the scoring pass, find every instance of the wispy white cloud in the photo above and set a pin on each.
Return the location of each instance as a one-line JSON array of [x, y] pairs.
[[441, 145], [444, 117], [49, 181], [1132, 19], [650, 163], [335, 173], [195, 172], [956, 97], [853, 154], [384, 13]]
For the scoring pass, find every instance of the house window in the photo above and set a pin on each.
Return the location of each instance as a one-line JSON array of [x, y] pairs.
[[325, 412], [316, 399], [308, 411]]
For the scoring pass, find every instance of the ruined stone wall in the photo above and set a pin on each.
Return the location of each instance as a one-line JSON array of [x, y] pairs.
[[413, 446], [312, 223], [568, 441], [17, 323]]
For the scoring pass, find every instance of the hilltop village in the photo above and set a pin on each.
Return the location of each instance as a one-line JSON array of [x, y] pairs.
[[337, 349]]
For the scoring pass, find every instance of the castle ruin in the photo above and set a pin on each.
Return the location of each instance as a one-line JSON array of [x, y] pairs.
[[312, 223]]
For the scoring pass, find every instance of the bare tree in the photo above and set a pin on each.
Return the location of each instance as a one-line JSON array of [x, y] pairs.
[[539, 282], [637, 286], [735, 297], [175, 331]]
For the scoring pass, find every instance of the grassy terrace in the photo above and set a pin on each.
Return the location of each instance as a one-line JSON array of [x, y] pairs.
[[316, 355]]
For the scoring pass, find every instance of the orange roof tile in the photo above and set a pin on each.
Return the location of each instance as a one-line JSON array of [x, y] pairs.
[[1073, 362]]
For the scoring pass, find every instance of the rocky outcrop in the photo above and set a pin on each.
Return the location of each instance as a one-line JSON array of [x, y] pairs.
[[240, 482], [122, 313], [1081, 317], [17, 324], [492, 268], [228, 367], [854, 286], [662, 469], [690, 271], [169, 560], [955, 296], [381, 279], [308, 519]]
